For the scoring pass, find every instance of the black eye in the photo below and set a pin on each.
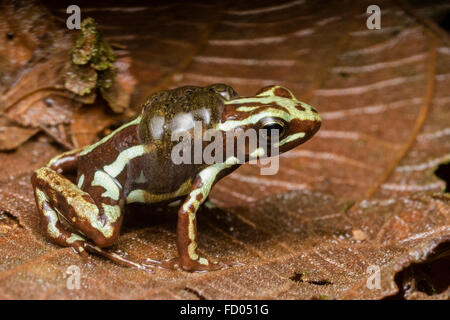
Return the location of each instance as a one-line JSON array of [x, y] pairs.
[[224, 90], [225, 95], [273, 124]]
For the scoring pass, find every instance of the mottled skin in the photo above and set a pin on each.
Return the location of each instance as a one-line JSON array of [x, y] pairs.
[[134, 164]]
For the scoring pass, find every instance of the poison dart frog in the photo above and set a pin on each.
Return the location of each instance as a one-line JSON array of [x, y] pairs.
[[134, 163]]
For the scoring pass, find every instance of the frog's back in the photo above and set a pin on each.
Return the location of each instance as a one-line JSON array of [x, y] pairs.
[[108, 149]]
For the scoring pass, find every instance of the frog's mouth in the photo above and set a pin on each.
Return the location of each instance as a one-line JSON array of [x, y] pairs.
[[299, 132]]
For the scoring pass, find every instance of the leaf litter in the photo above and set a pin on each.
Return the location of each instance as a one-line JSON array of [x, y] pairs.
[[361, 195]]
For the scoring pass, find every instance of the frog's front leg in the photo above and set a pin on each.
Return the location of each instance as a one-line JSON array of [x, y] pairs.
[[187, 238]]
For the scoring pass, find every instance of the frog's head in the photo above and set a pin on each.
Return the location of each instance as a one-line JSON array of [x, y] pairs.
[[272, 108]]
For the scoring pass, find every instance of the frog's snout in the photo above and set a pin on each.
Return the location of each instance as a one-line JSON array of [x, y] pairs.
[[313, 128], [300, 131], [309, 128]]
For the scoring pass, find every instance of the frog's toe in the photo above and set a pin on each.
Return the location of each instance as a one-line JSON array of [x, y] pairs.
[[79, 247], [211, 266], [220, 265], [203, 265], [233, 264], [119, 258], [200, 265]]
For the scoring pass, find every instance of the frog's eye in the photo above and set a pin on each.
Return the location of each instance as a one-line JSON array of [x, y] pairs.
[[224, 90], [225, 95], [229, 93], [270, 124]]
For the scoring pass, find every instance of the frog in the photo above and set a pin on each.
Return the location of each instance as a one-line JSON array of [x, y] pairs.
[[134, 164]]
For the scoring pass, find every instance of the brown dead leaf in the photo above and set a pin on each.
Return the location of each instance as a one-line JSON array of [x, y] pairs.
[[12, 135], [32, 86], [33, 94], [28, 36], [89, 122], [121, 86], [360, 196]]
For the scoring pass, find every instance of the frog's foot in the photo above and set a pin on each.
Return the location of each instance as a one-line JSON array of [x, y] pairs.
[[117, 257], [61, 236], [55, 230], [79, 247], [199, 265]]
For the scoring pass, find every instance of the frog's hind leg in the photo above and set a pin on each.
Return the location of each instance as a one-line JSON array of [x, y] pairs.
[[98, 220], [57, 197], [53, 227]]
